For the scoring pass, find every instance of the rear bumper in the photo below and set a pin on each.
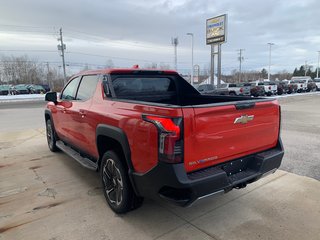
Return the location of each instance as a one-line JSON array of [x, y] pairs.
[[171, 182]]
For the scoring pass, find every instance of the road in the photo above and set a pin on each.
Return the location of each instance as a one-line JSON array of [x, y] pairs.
[[49, 196], [17, 116]]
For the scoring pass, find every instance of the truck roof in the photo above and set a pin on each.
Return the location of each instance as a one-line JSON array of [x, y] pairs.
[[125, 70]]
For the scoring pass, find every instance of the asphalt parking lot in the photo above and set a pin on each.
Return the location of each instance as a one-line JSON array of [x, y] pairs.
[[46, 195]]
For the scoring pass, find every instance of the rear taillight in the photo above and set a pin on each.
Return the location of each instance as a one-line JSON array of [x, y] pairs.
[[269, 87], [170, 139], [241, 90], [301, 85]]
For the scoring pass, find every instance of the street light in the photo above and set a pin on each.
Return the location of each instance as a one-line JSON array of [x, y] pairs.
[[270, 45], [191, 34]]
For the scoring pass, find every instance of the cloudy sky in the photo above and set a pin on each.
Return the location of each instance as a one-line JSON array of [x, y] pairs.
[[140, 31]]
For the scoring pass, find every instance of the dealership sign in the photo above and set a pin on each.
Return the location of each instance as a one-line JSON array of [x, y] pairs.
[[216, 30]]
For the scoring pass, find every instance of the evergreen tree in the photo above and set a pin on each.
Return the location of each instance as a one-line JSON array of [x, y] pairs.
[[264, 73]]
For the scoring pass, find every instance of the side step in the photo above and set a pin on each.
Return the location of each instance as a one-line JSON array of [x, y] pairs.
[[85, 162]]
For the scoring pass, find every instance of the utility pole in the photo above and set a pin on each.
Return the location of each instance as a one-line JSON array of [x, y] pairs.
[[318, 64], [191, 75], [240, 62], [62, 47], [175, 42], [270, 46]]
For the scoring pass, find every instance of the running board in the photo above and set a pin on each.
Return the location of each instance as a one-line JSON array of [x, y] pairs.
[[85, 162]]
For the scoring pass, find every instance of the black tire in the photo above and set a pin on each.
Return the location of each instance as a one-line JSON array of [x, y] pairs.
[[51, 136], [116, 184], [232, 94]]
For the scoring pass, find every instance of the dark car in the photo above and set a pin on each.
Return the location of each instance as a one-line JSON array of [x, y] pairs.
[[292, 87], [257, 89], [211, 89], [46, 87], [4, 89], [36, 89], [19, 89], [282, 87]]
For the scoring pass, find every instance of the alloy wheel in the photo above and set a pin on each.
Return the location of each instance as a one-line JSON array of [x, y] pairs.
[[113, 184]]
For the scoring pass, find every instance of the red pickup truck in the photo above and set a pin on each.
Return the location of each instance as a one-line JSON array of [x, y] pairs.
[[151, 134]]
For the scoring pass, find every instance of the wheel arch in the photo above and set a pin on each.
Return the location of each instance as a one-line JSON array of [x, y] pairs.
[[113, 138]]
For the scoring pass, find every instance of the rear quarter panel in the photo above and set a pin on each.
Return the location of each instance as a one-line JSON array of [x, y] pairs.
[[142, 136]]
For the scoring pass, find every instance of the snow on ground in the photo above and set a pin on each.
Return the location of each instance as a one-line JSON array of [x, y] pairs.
[[294, 95], [22, 97]]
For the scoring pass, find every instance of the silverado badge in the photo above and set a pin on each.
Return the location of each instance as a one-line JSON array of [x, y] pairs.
[[244, 119]]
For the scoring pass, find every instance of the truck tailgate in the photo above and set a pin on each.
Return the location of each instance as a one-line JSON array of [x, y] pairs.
[[217, 134]]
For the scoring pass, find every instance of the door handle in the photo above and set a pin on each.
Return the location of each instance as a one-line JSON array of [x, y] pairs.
[[82, 113]]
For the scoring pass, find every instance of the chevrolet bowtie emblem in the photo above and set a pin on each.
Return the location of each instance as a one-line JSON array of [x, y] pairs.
[[244, 119]]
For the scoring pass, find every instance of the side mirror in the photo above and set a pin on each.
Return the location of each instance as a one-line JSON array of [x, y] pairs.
[[51, 97]]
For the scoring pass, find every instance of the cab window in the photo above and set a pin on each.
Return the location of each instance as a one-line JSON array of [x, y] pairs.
[[69, 92], [87, 87]]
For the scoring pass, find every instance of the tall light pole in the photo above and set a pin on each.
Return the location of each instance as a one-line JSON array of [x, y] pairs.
[[270, 46], [318, 64], [191, 34]]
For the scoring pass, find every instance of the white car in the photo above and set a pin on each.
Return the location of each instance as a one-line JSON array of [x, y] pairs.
[[317, 82], [302, 83], [270, 88], [234, 89]]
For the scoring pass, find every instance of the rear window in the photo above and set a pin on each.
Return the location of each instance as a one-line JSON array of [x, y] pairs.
[[317, 80], [132, 86], [232, 85]]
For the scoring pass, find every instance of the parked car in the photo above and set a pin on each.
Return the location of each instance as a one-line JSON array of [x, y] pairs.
[[311, 85], [282, 87], [317, 82], [46, 87], [19, 89], [292, 87], [270, 88], [257, 89], [211, 89], [233, 89], [245, 88], [304, 84], [4, 89], [36, 89], [151, 134]]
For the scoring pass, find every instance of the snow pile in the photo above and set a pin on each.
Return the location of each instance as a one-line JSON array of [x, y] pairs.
[[22, 97]]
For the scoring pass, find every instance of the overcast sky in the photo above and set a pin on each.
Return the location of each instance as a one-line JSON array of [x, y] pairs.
[[140, 31]]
